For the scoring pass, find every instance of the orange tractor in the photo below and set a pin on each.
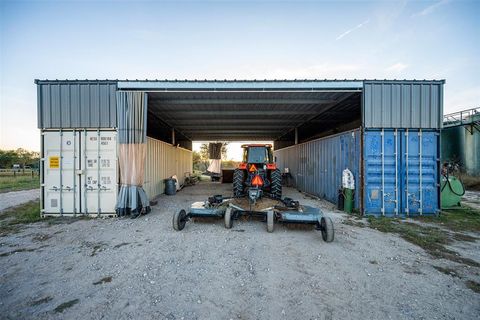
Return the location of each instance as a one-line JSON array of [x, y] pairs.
[[257, 174]]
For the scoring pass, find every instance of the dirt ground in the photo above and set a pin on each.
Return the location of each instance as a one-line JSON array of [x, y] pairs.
[[472, 199], [143, 269]]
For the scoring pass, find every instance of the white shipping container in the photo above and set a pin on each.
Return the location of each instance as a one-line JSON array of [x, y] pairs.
[[80, 172]]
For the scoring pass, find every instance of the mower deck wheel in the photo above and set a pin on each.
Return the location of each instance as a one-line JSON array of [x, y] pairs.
[[228, 218], [326, 226], [179, 220], [270, 221]]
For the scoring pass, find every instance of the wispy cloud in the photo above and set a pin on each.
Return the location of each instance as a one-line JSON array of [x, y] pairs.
[[353, 29], [397, 67], [320, 71], [430, 8]]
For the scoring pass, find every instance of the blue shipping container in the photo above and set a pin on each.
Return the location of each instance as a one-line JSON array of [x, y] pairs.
[[316, 166], [401, 172]]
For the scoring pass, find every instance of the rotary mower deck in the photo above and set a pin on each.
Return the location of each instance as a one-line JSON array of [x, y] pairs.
[[281, 211]]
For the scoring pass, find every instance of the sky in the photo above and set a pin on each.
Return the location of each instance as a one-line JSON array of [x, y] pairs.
[[231, 40]]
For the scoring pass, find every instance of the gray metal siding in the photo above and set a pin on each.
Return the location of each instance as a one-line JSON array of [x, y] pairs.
[[77, 105], [403, 104]]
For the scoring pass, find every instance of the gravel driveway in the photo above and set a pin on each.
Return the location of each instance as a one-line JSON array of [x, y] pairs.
[[143, 269], [472, 199], [15, 198]]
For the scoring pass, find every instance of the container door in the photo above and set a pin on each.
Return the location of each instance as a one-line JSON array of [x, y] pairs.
[[420, 172], [61, 183], [401, 172], [99, 167], [381, 172]]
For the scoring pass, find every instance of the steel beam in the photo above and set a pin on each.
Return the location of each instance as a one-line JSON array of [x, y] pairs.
[[222, 131], [241, 101]]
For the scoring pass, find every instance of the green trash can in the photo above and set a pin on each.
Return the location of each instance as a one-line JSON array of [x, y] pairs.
[[348, 204]]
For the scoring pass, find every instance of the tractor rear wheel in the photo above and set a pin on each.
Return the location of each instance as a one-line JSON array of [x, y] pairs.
[[276, 184], [238, 176]]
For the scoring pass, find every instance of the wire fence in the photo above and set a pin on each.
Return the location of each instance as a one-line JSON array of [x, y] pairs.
[[19, 172]]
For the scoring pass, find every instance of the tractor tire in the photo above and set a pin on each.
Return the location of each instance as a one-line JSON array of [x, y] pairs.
[[238, 176], [326, 226], [270, 221], [228, 219], [179, 220], [276, 184]]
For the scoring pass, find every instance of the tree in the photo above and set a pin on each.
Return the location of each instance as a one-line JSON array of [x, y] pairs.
[[7, 158], [199, 163], [204, 151], [20, 156]]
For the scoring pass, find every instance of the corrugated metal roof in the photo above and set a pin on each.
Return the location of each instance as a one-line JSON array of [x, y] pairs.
[[42, 81], [247, 115], [247, 109]]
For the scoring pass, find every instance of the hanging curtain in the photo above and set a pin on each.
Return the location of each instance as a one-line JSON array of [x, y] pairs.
[[132, 142]]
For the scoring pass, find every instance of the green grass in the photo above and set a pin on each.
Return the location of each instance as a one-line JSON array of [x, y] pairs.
[[10, 183], [60, 308], [11, 219], [431, 239], [353, 223], [474, 286], [448, 271], [461, 219]]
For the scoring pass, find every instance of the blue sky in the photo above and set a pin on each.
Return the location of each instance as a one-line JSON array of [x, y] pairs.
[[234, 40]]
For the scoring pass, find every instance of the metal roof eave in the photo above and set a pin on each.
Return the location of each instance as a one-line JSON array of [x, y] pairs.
[[308, 85]]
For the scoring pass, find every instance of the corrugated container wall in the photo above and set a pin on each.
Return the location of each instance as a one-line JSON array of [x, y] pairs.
[[403, 104], [164, 161], [83, 104], [316, 166], [401, 172]]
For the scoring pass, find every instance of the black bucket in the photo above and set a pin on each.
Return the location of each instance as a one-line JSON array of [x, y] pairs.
[[170, 187], [341, 200]]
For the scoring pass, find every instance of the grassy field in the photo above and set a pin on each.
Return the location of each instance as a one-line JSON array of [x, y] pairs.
[[16, 183], [11, 219]]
